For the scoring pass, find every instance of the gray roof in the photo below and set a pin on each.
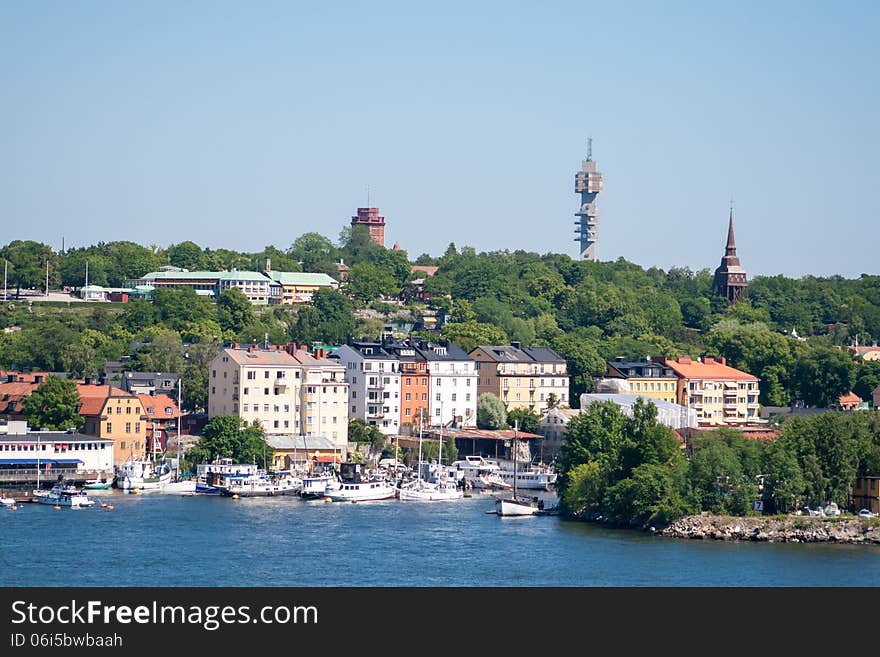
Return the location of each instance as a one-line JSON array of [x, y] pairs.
[[511, 354], [629, 400], [636, 369], [300, 442], [453, 351], [377, 350], [302, 278]]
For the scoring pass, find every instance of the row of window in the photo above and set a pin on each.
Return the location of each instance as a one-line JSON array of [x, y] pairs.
[[118, 410], [521, 383], [650, 386], [70, 447], [137, 427]]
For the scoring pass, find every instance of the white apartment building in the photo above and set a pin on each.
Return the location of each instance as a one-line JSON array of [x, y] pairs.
[[452, 387], [373, 376]]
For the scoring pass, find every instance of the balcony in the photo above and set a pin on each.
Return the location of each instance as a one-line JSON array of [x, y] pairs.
[[729, 406], [376, 386], [282, 382]]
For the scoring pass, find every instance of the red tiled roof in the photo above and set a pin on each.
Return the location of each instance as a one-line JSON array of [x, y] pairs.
[[428, 269], [159, 403], [709, 369], [850, 398]]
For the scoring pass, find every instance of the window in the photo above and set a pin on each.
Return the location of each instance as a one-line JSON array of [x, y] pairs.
[[246, 390], [213, 374], [276, 408], [353, 408], [251, 376], [438, 396], [467, 397], [110, 428], [122, 445], [453, 396], [244, 408], [437, 412], [286, 424], [265, 408], [408, 396], [287, 408], [275, 424], [224, 375], [408, 381], [265, 391], [266, 374], [438, 381], [128, 427], [137, 427], [128, 410]]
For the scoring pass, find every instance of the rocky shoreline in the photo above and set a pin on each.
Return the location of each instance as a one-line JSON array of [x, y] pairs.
[[774, 529]]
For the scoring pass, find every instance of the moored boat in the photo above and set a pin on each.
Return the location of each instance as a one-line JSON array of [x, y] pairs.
[[262, 485], [66, 495], [143, 475], [212, 477], [101, 482]]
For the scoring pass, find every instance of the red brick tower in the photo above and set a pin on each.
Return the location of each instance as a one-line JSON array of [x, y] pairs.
[[370, 218]]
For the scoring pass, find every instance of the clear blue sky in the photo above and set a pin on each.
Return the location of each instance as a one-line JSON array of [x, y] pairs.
[[239, 125]]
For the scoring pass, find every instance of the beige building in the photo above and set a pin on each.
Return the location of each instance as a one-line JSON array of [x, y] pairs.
[[522, 377], [287, 390], [720, 394], [298, 287]]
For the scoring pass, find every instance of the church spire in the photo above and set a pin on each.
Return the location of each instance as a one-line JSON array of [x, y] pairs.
[[731, 240]]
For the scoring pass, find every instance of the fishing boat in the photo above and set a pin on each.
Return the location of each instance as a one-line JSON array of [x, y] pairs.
[[516, 505], [101, 482], [65, 494], [143, 475]]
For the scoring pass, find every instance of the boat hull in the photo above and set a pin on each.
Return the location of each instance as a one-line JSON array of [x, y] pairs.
[[517, 508], [364, 492]]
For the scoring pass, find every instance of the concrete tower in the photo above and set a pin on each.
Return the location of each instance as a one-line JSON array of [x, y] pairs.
[[370, 218], [730, 277], [588, 183]]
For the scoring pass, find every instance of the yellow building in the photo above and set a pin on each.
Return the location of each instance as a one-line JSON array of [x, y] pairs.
[[522, 377], [115, 414], [646, 378], [720, 394]]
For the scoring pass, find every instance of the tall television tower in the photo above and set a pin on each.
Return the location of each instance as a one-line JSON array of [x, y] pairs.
[[588, 183]]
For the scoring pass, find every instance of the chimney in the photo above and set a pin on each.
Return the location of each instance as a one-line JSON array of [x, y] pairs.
[[320, 353], [88, 380], [723, 360], [684, 360], [708, 360], [268, 263]]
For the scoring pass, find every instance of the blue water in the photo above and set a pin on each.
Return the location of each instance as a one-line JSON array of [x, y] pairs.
[[171, 540]]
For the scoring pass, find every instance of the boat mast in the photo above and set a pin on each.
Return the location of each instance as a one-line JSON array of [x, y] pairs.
[[515, 440], [419, 467], [179, 411], [440, 453], [38, 461]]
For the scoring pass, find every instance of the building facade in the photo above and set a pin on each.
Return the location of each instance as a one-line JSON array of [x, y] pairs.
[[522, 377], [452, 384], [286, 390], [112, 413], [646, 378], [721, 395], [297, 287], [373, 377]]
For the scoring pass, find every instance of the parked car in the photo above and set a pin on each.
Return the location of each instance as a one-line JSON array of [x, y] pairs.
[[865, 513]]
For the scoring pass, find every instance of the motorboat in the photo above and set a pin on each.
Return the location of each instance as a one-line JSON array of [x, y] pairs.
[[535, 477], [211, 477], [262, 484], [354, 486], [360, 491], [481, 473], [65, 494], [143, 475], [316, 487]]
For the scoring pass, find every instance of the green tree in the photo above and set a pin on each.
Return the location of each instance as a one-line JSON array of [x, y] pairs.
[[822, 375], [188, 255], [491, 412], [367, 282], [228, 436], [468, 335], [163, 352], [336, 314], [27, 264], [53, 405], [315, 253], [527, 419], [234, 310]]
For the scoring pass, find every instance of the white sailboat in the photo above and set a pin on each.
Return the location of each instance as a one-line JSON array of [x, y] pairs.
[[517, 506], [427, 491]]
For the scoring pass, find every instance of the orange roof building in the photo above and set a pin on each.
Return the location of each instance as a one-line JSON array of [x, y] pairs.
[[162, 414], [849, 402], [720, 394]]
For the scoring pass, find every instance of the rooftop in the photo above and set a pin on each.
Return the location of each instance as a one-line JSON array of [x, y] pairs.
[[709, 368], [302, 278]]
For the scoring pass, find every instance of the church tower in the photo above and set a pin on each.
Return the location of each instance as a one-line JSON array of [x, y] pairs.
[[730, 277]]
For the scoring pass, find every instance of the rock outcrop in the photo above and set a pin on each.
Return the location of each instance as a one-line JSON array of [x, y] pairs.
[[781, 529]]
